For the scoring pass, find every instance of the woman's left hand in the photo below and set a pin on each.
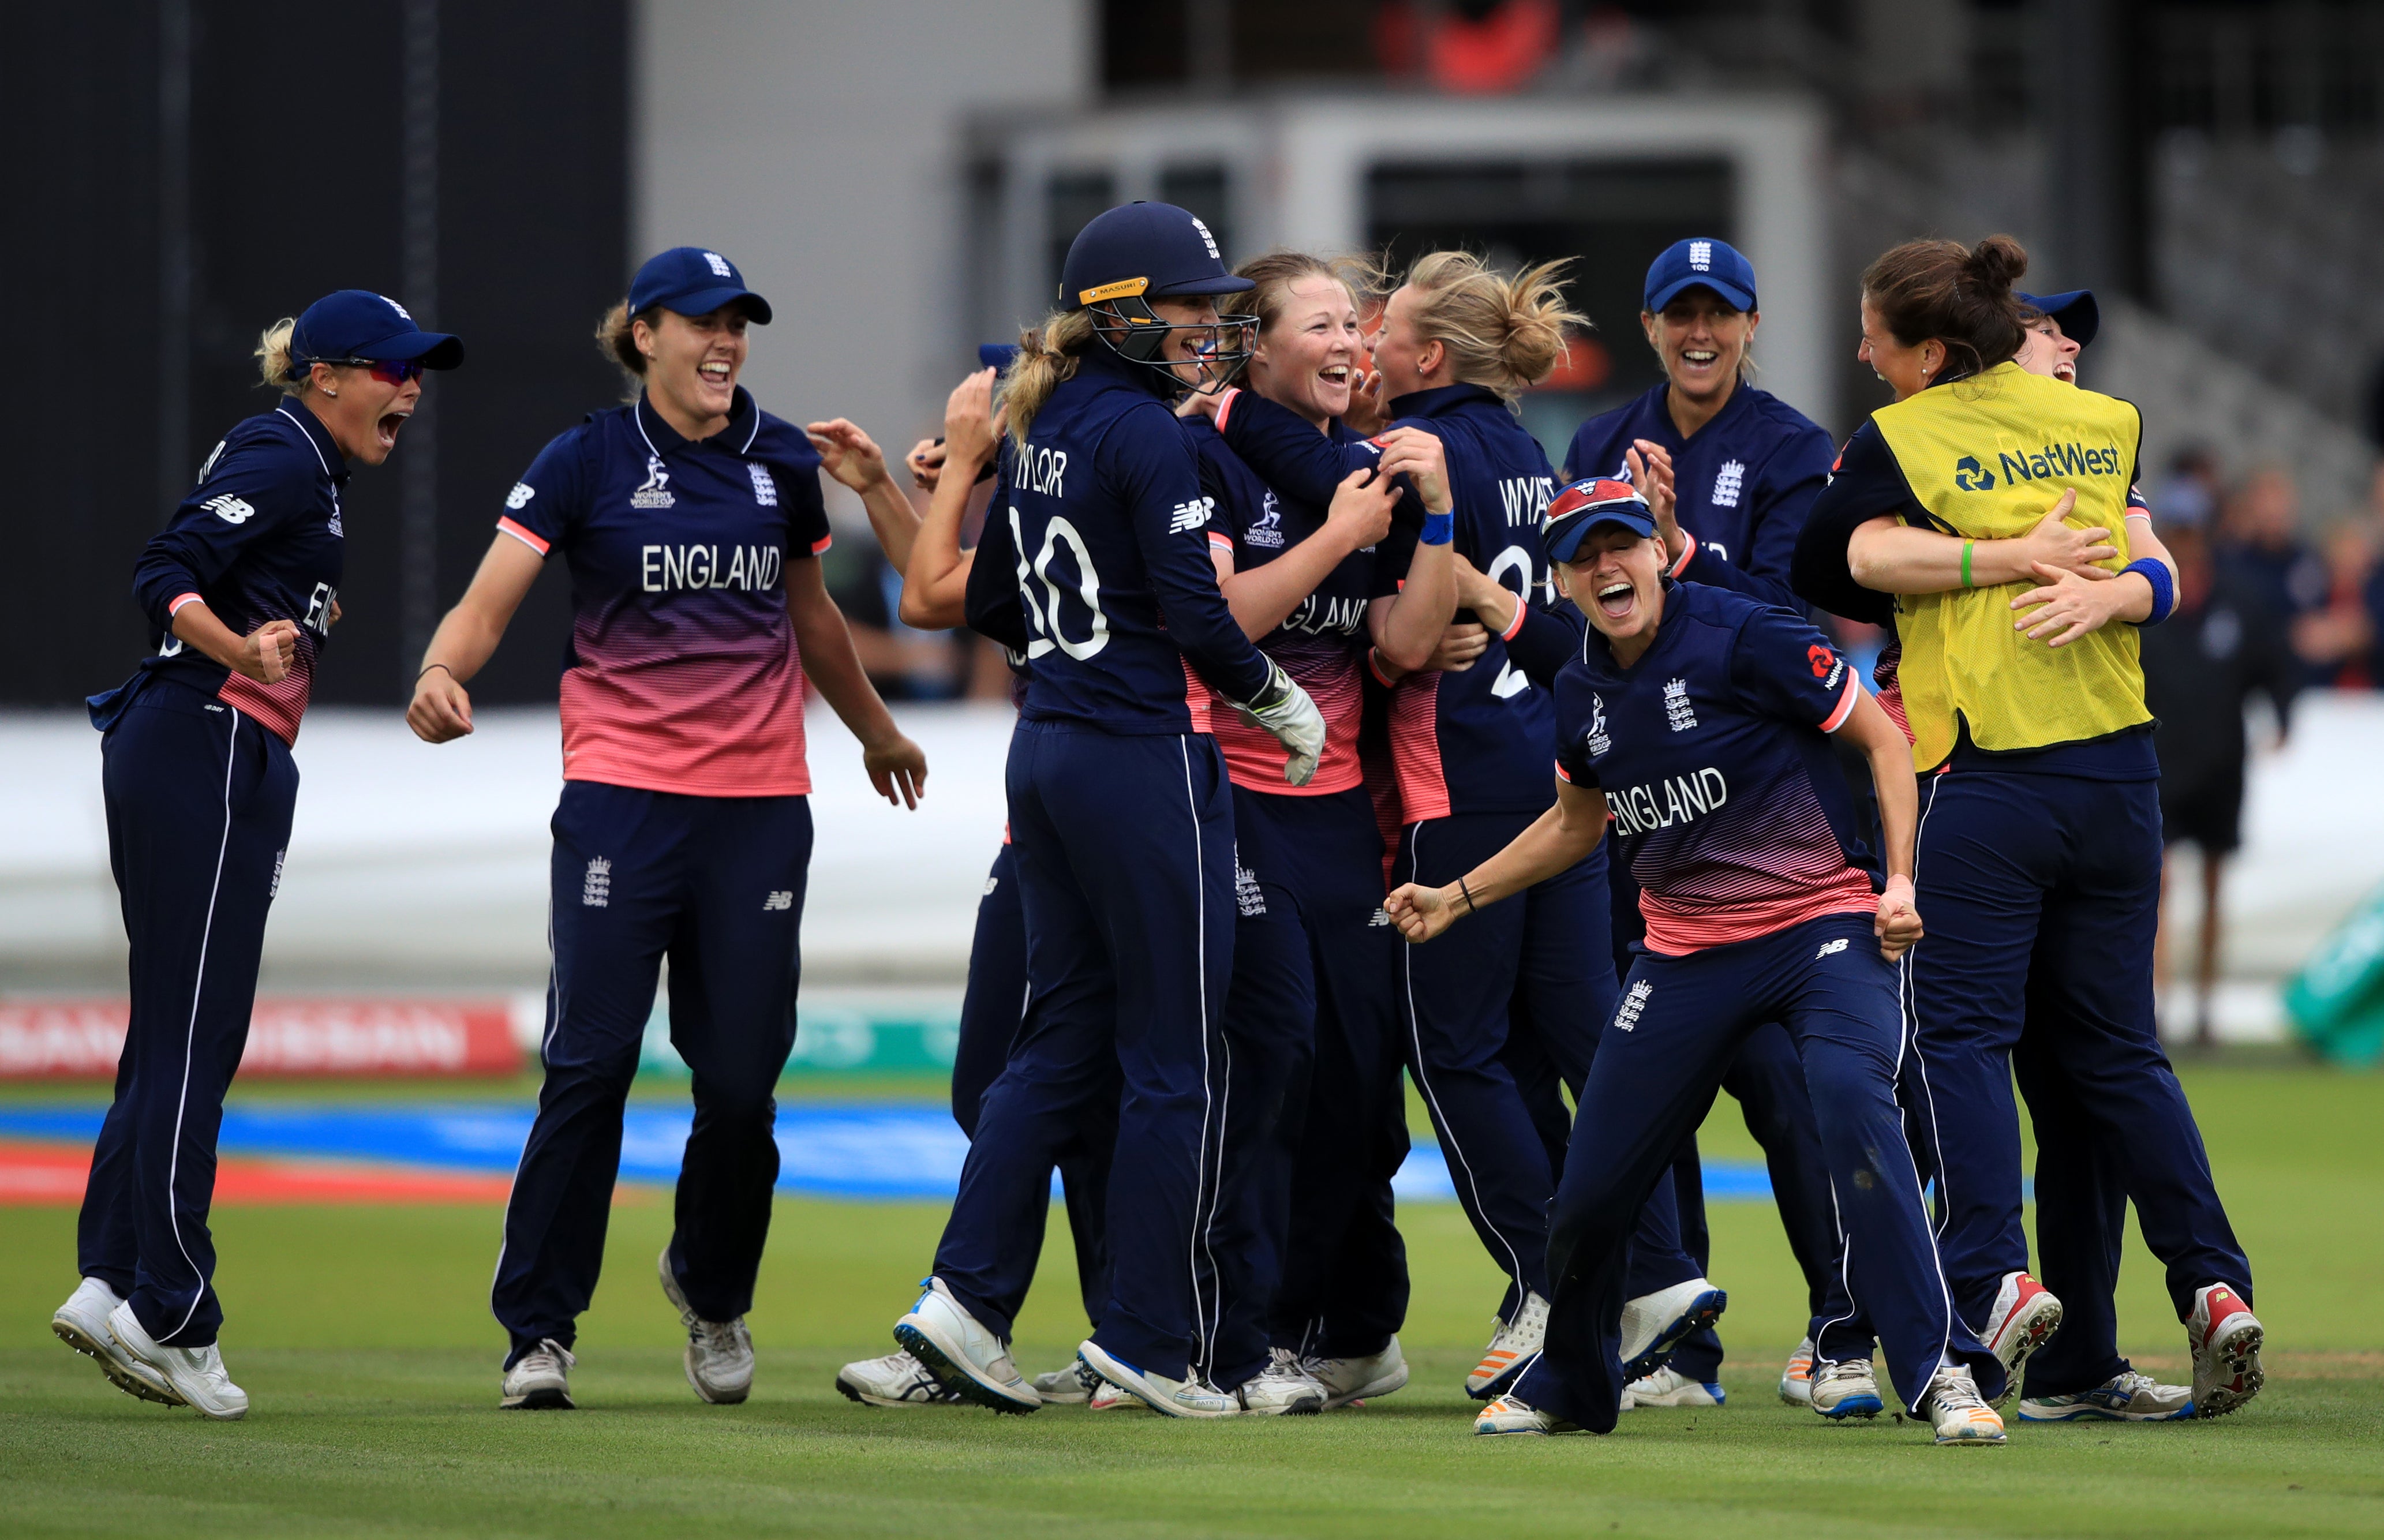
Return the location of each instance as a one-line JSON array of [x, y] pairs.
[[1651, 472], [1897, 924], [848, 454], [1369, 412], [898, 768], [2071, 606]]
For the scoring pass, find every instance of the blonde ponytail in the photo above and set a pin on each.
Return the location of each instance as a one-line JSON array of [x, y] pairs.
[[273, 361], [1504, 333], [1046, 359]]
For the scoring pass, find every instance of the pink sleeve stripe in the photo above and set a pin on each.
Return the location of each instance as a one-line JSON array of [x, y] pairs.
[[1225, 407], [1561, 775], [174, 606], [1688, 554], [1221, 542], [821, 544], [1515, 625], [1846, 703], [508, 527]]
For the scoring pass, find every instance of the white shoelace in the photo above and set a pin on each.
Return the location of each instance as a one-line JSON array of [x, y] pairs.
[[553, 1354], [1954, 1390]]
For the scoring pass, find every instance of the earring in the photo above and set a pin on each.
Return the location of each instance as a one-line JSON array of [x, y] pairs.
[[328, 391]]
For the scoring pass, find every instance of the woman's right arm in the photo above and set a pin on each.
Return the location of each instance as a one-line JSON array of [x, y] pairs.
[[1887, 556], [442, 709], [1561, 838], [935, 579]]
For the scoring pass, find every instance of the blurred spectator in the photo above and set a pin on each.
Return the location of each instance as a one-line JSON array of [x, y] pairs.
[[2222, 643], [2336, 640], [2189, 494], [2259, 540], [1469, 47], [904, 663]]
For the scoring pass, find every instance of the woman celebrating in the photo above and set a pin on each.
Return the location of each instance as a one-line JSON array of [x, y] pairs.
[[1457, 344], [1700, 720], [241, 588], [689, 518], [1744, 466], [1120, 816], [1312, 966], [2039, 860]]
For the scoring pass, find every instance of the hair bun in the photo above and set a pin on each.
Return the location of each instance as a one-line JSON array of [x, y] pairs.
[[1995, 264]]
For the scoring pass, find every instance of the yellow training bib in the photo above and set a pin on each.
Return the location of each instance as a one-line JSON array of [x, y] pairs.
[[1989, 457]]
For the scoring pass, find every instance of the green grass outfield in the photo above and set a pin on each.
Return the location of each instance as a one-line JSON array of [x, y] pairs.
[[363, 1337]]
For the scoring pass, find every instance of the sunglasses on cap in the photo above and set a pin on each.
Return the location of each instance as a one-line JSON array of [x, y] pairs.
[[388, 371]]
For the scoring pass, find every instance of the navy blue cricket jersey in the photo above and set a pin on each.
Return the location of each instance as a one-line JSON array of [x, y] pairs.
[[1477, 740], [1323, 643], [1108, 530], [1714, 754], [1743, 482], [257, 538], [683, 674]]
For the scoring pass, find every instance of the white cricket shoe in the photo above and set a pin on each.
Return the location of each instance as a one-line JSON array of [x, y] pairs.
[[1348, 1380], [1797, 1379], [82, 1324], [1654, 1324], [1513, 1342], [2025, 1314], [195, 1376], [1071, 1387], [1507, 1414], [896, 1380], [1109, 1397], [1284, 1388], [1961, 1414], [539, 1379], [1669, 1387], [1189, 1397], [2127, 1398], [1846, 1388], [719, 1355], [2225, 1340], [957, 1350]]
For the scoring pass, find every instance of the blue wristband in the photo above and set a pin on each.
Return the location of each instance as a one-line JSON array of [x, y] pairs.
[[2163, 591], [1439, 528]]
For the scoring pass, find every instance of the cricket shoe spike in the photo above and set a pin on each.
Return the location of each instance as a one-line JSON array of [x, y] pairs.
[[1654, 1324], [2025, 1314], [970, 1359], [1510, 1347], [82, 1324], [1189, 1397], [2225, 1338]]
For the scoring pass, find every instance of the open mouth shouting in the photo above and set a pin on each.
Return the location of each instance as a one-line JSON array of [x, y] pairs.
[[2065, 371], [1617, 599], [386, 429], [715, 372]]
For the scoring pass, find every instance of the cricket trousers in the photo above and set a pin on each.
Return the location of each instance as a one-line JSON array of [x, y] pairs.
[[714, 883], [2041, 893], [993, 1007], [199, 800], [1124, 846], [1679, 1022]]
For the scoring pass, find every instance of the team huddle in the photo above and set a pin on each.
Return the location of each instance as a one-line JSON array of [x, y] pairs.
[[1355, 743]]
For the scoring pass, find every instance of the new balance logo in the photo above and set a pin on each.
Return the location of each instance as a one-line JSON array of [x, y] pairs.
[[596, 892], [519, 497], [230, 509], [719, 265], [1726, 485], [274, 891], [1829, 947], [1627, 1017], [765, 491], [990, 884], [1190, 515], [1381, 917], [782, 897]]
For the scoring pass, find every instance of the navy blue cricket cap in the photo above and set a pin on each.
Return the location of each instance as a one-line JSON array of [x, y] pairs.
[[997, 355], [694, 281], [358, 323], [1584, 505], [1155, 250], [1700, 262], [2080, 316]]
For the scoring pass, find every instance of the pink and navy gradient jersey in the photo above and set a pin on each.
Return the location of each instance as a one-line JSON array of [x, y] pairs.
[[1322, 643], [1713, 751], [682, 674], [1109, 552], [1477, 740], [258, 538]]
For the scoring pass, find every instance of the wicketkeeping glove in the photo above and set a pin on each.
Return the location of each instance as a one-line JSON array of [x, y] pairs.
[[1284, 710]]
